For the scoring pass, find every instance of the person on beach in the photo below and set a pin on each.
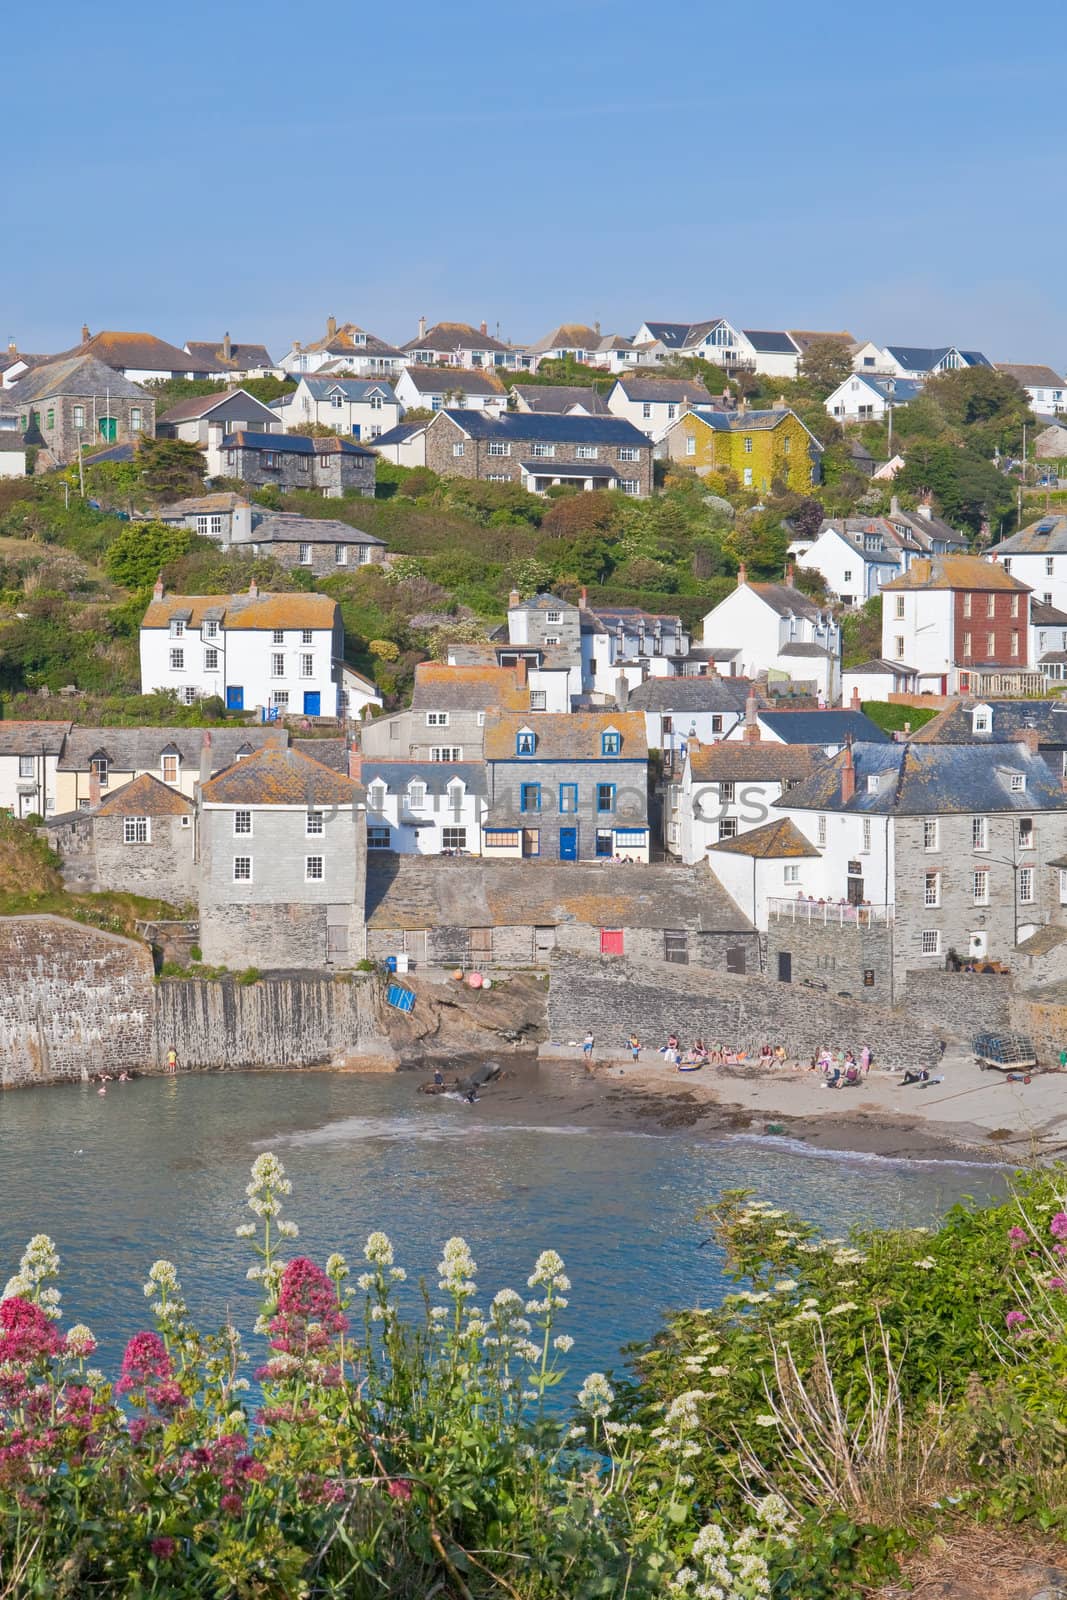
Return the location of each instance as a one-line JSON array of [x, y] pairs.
[[172, 1059], [438, 1077], [587, 1047], [766, 1055], [779, 1055], [916, 1075], [634, 1046], [865, 1057]]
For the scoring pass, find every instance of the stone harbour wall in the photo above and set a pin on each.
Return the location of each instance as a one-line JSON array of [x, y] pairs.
[[276, 1022], [613, 998], [957, 1005]]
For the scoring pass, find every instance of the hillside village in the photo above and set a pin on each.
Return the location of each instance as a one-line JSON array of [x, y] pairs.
[[701, 646]]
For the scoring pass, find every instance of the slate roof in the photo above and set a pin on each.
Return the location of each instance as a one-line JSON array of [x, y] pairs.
[[413, 893], [294, 444], [202, 405], [402, 431], [283, 529], [1043, 616], [439, 687], [243, 611], [454, 336], [275, 777], [785, 599], [526, 428], [1009, 719], [951, 571], [899, 390], [708, 693], [918, 359], [141, 749], [675, 390], [565, 736], [146, 796], [141, 351], [242, 358], [919, 779], [223, 500], [75, 375], [884, 669], [803, 337], [679, 335], [735, 760], [114, 452], [436, 775], [770, 342], [545, 467], [1046, 536], [11, 440], [450, 380], [771, 841], [823, 727], [805, 648], [556, 399], [351, 388], [32, 738], [332, 753], [747, 421]]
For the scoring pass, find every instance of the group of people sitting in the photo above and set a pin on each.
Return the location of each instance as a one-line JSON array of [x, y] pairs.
[[842, 1070], [700, 1054]]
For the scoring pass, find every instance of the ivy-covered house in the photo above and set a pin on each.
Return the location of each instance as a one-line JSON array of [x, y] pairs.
[[759, 447]]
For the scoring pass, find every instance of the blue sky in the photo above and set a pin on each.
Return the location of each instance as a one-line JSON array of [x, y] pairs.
[[255, 167]]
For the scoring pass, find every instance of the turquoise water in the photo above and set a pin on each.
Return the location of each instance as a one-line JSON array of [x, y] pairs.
[[158, 1168]]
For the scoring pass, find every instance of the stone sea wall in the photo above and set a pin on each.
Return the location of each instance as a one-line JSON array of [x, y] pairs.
[[277, 1022], [959, 1004]]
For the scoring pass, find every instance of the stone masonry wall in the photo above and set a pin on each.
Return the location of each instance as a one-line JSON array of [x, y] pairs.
[[613, 997], [958, 1004], [284, 1022], [73, 1001], [837, 955], [163, 868]]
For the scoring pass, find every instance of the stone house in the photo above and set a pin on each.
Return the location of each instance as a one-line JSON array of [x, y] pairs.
[[322, 546], [206, 420], [331, 467], [223, 515], [540, 451], [144, 841], [759, 448], [82, 402], [497, 913], [282, 864], [566, 787], [95, 762], [446, 720]]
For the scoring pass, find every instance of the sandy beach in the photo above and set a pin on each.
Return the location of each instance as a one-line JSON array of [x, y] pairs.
[[979, 1114]]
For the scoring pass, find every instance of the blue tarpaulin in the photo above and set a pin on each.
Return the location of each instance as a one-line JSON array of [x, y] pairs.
[[399, 997]]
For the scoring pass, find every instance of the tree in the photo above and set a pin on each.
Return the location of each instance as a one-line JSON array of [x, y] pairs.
[[171, 468], [807, 517], [969, 490], [575, 514], [825, 364], [314, 430], [984, 408], [140, 552]]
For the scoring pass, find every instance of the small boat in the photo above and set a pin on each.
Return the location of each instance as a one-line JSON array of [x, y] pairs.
[[690, 1066]]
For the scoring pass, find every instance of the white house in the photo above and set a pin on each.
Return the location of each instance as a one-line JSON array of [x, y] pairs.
[[854, 562], [827, 731], [728, 789], [877, 680], [680, 710], [357, 693], [772, 351], [206, 419], [359, 408], [714, 340], [1048, 639], [914, 361], [636, 644], [12, 453], [458, 344], [760, 867], [957, 620], [1037, 556], [404, 445], [433, 388], [141, 357], [1046, 389], [866, 397], [426, 808], [653, 403], [29, 752], [349, 348], [238, 360], [279, 652], [781, 633]]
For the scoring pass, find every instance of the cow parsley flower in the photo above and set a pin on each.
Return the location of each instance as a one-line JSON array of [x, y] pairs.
[[378, 1250]]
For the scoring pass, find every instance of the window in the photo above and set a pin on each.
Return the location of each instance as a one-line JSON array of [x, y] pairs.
[[716, 722], [269, 460], [676, 946], [1015, 605], [929, 942], [979, 833], [1026, 885], [306, 636], [177, 629], [177, 661], [848, 575], [314, 824], [611, 941], [1026, 833], [690, 445], [324, 461], [1050, 566], [1006, 563], [25, 766], [727, 828], [242, 822], [313, 869], [820, 837], [646, 408], [967, 605], [135, 419], [990, 605], [568, 797], [967, 651], [981, 721], [553, 618], [98, 770], [459, 448], [277, 665], [631, 838], [543, 450], [524, 742], [538, 699], [932, 889], [605, 797], [304, 557], [931, 833], [991, 645], [586, 452], [866, 835], [280, 698], [307, 666], [727, 791], [874, 782], [453, 838], [747, 445], [529, 797], [242, 869], [136, 830], [446, 752], [211, 660], [791, 874], [980, 887], [277, 636], [628, 452], [502, 838], [79, 418], [610, 743], [378, 838], [630, 485], [1017, 782], [748, 477], [1014, 641], [497, 477], [336, 401], [50, 417], [169, 768], [437, 719], [672, 412], [416, 795], [497, 447], [786, 445]]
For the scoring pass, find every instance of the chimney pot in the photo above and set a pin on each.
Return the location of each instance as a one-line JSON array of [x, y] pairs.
[[331, 327], [855, 702], [789, 575], [422, 327], [12, 347], [205, 756], [848, 777], [742, 574], [584, 598], [157, 591], [85, 333], [227, 347], [483, 327], [355, 763], [596, 329], [297, 345]]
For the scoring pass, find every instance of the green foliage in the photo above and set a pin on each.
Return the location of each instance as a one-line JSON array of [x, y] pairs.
[[141, 550], [171, 468], [825, 364], [861, 633], [969, 490], [892, 718]]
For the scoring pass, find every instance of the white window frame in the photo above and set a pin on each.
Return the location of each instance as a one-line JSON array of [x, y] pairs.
[[242, 824], [136, 830], [314, 825], [307, 666], [931, 835], [239, 874], [931, 890], [177, 659], [930, 942], [437, 719], [980, 886], [1027, 886], [211, 658], [314, 869], [980, 833]]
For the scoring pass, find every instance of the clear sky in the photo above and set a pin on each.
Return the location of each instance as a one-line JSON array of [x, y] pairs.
[[223, 164]]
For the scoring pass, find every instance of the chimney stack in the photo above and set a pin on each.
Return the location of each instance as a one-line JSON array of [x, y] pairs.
[[521, 666], [742, 575], [12, 347], [422, 327], [483, 327], [514, 599], [355, 763], [205, 756], [751, 733], [848, 776], [622, 691], [894, 505], [227, 348], [789, 574], [1030, 738], [94, 786], [583, 599], [331, 327], [253, 589], [297, 345], [157, 592], [596, 329], [855, 704], [85, 333]]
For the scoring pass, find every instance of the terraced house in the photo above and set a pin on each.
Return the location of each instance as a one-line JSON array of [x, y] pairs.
[[539, 452], [566, 787], [327, 466], [760, 448]]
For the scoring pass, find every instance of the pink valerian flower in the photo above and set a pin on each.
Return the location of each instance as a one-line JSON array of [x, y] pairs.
[[164, 1547], [230, 1461], [233, 1504], [307, 1318], [305, 1291], [1015, 1320], [145, 1362], [25, 1332], [1058, 1225], [1019, 1237], [398, 1489], [1057, 1283]]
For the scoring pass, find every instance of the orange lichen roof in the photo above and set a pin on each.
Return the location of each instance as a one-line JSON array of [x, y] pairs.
[[565, 736], [774, 841], [468, 687], [732, 760], [244, 611], [956, 572], [280, 778], [146, 797]]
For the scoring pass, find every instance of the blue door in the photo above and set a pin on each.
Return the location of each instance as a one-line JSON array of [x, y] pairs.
[[568, 844], [235, 697], [312, 701], [355, 430]]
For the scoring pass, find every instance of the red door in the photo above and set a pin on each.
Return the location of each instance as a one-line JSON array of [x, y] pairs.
[[611, 941]]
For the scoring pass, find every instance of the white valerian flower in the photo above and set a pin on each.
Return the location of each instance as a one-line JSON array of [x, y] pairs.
[[457, 1268], [785, 1286], [718, 1372], [268, 1184], [839, 1311], [365, 1281], [563, 1342], [438, 1313], [576, 1433], [807, 1316], [40, 1261], [809, 1303], [236, 1422], [379, 1250], [773, 1512], [506, 1300], [596, 1396], [927, 1263], [80, 1341], [288, 1230], [336, 1266], [398, 1274], [847, 1258], [764, 1420], [247, 1230]]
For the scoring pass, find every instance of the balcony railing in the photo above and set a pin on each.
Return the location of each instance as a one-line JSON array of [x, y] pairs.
[[829, 913]]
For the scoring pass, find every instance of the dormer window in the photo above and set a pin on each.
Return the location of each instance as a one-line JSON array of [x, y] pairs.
[[376, 795], [981, 720], [1017, 782], [525, 742], [456, 790], [177, 629], [169, 763], [416, 795], [610, 742], [98, 769], [874, 783]]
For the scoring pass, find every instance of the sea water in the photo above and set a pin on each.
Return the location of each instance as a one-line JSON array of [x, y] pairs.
[[158, 1168]]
